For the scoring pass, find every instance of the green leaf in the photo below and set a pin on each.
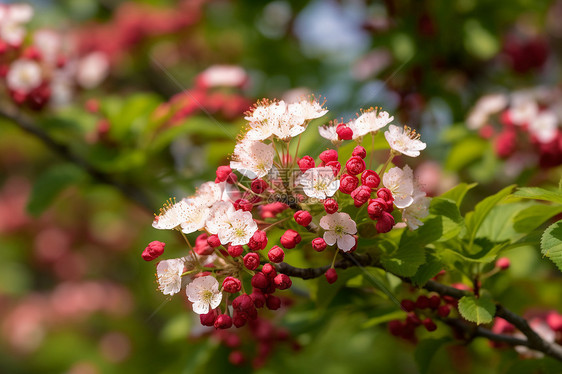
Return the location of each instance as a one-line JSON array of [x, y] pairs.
[[50, 184], [447, 211], [465, 152], [479, 310], [539, 194], [458, 192], [499, 224], [474, 219], [406, 260], [326, 292], [396, 314], [427, 271], [426, 350], [532, 217], [551, 243]]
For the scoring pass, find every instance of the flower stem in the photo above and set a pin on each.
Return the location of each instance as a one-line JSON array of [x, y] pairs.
[[191, 248], [334, 259], [390, 157]]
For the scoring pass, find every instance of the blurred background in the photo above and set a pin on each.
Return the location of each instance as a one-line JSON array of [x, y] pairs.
[[174, 80]]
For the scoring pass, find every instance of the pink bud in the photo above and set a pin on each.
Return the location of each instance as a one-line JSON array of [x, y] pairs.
[[318, 244], [429, 324], [331, 206], [223, 172], [258, 186], [503, 263], [243, 204], [385, 223], [243, 303], [290, 239], [303, 218], [505, 143], [359, 152], [361, 195], [153, 250], [236, 358], [213, 241], [344, 132], [273, 302], [251, 261], [336, 167], [276, 254], [370, 178], [408, 305], [331, 275], [329, 155], [258, 241], [348, 183], [232, 285], [259, 280], [376, 208], [209, 318], [269, 271], [235, 250], [355, 165], [258, 298], [444, 310], [306, 163], [223, 321], [202, 246], [282, 281]]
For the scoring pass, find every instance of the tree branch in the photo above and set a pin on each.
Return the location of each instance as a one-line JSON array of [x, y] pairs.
[[129, 191], [533, 341]]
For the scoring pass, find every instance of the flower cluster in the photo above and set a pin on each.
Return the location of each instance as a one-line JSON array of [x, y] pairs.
[[329, 198], [43, 67], [525, 126]]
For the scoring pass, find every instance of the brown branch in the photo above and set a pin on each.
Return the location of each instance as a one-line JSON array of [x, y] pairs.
[[129, 191], [533, 341]]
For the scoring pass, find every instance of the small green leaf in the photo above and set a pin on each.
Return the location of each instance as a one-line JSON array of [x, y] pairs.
[[532, 217], [395, 314], [465, 152], [427, 271], [50, 184], [551, 243], [426, 350], [406, 260], [458, 193], [539, 194], [479, 310]]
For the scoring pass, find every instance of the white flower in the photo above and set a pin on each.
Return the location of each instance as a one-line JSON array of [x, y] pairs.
[[204, 293], [217, 221], [49, 43], [329, 132], [187, 213], [92, 69], [319, 182], [544, 126], [223, 76], [24, 76], [209, 193], [369, 121], [241, 227], [307, 109], [401, 183], [12, 18], [169, 275], [419, 209], [339, 229], [405, 141], [264, 119], [484, 107], [252, 158], [523, 108], [543, 330]]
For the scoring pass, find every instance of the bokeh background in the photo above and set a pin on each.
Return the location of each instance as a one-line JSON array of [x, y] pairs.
[[75, 295]]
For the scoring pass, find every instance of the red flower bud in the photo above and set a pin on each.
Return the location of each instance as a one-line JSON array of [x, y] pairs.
[[554, 321], [385, 194], [385, 223], [213, 241], [361, 195], [318, 244], [306, 163], [258, 241], [243, 204], [444, 310], [258, 186], [252, 261], [408, 305], [269, 271], [359, 152], [282, 281], [209, 318], [370, 178], [290, 239], [258, 298], [336, 167], [331, 206], [273, 302], [153, 250], [422, 302], [413, 320], [506, 143], [503, 263], [223, 321], [303, 218], [355, 165], [348, 183], [429, 324], [243, 303], [232, 285], [329, 155], [202, 247], [223, 172], [376, 208], [395, 327], [276, 254], [344, 132], [434, 302], [331, 275], [236, 358], [259, 280], [235, 250]]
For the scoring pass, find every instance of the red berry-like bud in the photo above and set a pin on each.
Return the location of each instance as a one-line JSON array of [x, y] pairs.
[[331, 206], [376, 208], [385, 194], [422, 302], [331, 275], [434, 302], [336, 167], [359, 152], [273, 302], [223, 172], [319, 244], [413, 320], [303, 218], [361, 195], [209, 318], [223, 321], [408, 305], [251, 261], [235, 250], [306, 163], [213, 241], [243, 204], [355, 165], [506, 143], [395, 327], [348, 183], [554, 321], [290, 239], [429, 324], [329, 155], [258, 241], [153, 250], [258, 186], [282, 281], [269, 271], [236, 358], [370, 178], [202, 247], [276, 254], [444, 310], [258, 298], [232, 285], [385, 223], [259, 280], [503, 263], [243, 303], [344, 132]]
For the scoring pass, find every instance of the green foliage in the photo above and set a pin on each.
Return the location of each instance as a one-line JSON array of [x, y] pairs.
[[477, 309], [551, 243], [426, 350]]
